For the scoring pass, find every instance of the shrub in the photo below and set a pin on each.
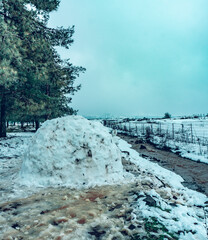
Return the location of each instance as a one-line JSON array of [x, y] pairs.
[[167, 115]]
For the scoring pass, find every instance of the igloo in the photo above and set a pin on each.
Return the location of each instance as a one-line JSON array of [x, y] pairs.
[[71, 151]]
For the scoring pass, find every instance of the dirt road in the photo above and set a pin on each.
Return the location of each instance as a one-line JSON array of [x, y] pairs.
[[195, 174]]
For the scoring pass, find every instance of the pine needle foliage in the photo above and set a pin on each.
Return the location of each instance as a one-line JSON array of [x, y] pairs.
[[35, 83]]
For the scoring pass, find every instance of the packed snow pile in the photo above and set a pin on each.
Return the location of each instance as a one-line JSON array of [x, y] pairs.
[[71, 151]]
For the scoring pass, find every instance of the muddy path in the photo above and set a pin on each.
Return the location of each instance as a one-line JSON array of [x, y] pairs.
[[105, 212], [195, 174]]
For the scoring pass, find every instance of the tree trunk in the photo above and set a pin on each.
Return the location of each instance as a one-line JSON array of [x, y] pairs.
[[3, 113], [37, 125], [2, 94]]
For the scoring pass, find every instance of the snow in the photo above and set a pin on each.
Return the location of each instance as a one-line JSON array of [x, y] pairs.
[[192, 151], [187, 217], [14, 144], [49, 158], [71, 151], [187, 137], [171, 178], [11, 150]]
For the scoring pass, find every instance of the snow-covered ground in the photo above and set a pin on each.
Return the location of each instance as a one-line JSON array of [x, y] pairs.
[[191, 138], [187, 137], [192, 151], [149, 202], [11, 151]]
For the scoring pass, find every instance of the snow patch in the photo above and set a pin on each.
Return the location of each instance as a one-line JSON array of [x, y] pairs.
[[71, 151]]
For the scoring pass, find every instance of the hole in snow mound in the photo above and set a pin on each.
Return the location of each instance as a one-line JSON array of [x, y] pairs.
[[71, 151]]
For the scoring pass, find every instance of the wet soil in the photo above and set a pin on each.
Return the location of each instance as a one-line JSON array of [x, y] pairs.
[[195, 174], [104, 212]]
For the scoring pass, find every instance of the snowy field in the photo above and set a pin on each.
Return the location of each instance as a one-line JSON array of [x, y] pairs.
[[187, 137], [146, 202]]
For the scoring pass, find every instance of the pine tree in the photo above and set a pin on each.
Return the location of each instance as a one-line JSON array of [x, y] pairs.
[[43, 79], [10, 60]]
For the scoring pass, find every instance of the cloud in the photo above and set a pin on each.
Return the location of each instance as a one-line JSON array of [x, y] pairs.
[[142, 57]]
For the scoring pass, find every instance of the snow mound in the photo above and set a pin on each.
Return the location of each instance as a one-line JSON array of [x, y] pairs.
[[71, 151]]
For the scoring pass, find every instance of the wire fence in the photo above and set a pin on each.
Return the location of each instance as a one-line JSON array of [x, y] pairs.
[[181, 132]]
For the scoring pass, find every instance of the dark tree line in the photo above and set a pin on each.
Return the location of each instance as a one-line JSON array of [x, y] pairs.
[[35, 83]]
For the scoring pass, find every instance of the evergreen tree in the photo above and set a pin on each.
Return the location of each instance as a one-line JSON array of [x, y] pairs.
[[42, 79], [10, 60]]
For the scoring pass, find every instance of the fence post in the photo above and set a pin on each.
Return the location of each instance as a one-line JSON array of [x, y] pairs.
[[182, 130], [126, 129], [173, 130], [191, 133], [207, 150]]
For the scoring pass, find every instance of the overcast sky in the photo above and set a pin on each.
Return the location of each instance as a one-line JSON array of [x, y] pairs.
[[143, 57]]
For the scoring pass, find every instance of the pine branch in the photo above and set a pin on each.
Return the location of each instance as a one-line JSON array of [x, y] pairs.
[[3, 14]]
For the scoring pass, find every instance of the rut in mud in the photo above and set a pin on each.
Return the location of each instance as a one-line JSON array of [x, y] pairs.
[[195, 174]]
